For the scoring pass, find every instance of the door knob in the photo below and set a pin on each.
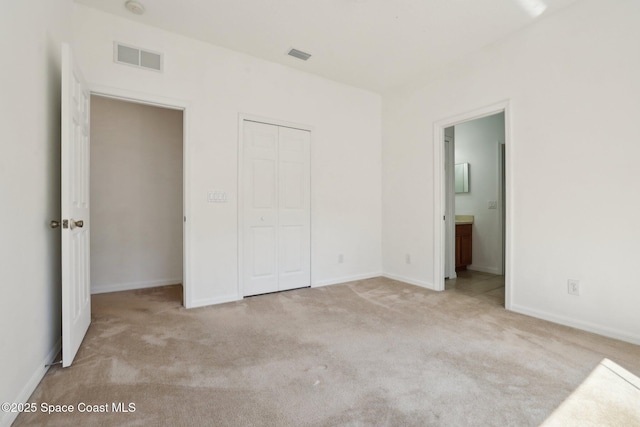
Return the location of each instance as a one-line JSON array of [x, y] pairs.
[[54, 224], [79, 223]]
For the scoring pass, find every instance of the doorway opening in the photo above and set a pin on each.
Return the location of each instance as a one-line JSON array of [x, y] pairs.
[[472, 229], [137, 196]]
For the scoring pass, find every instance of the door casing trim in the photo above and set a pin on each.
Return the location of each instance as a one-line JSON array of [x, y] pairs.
[[184, 106], [439, 191]]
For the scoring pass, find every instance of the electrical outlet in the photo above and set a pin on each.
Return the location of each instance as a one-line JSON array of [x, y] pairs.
[[407, 258], [493, 204], [573, 287], [340, 258]]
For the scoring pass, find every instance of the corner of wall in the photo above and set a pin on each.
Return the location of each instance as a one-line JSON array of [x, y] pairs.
[[39, 371], [421, 283]]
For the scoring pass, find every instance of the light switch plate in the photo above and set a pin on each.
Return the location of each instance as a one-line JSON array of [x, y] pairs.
[[216, 196], [493, 204]]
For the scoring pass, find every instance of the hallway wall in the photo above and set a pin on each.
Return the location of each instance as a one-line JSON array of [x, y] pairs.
[[136, 195]]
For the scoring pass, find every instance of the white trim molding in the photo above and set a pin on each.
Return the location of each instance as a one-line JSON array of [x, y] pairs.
[[578, 324], [138, 97], [345, 279], [421, 283], [117, 287], [490, 270]]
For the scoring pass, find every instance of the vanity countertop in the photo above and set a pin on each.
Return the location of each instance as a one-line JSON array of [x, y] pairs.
[[464, 219]]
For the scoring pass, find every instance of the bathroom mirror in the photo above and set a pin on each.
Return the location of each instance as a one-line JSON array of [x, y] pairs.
[[462, 177]]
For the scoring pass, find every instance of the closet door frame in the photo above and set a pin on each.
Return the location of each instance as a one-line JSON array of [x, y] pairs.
[[275, 122]]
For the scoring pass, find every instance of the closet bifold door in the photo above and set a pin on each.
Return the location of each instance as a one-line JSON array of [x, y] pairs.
[[277, 208], [294, 209], [260, 208]]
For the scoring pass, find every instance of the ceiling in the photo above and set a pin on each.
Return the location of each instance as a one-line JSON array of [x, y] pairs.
[[371, 44]]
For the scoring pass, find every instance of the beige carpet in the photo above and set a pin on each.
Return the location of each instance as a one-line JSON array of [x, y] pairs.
[[609, 397], [373, 352]]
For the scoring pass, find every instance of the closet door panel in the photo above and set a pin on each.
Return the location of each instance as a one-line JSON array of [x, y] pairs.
[[294, 208], [276, 186], [260, 197]]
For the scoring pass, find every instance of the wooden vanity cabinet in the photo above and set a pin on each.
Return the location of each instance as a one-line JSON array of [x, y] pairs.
[[463, 246]]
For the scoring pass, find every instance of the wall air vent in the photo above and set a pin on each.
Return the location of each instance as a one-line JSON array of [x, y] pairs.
[[141, 58], [299, 54]]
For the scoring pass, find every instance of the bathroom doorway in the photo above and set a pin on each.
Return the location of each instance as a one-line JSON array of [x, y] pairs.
[[473, 149]]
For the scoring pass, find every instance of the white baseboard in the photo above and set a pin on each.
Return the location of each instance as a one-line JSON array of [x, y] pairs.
[[6, 418], [117, 287], [213, 301], [230, 298], [410, 281], [490, 270], [344, 279], [585, 326]]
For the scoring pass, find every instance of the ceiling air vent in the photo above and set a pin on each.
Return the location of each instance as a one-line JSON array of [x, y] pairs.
[[299, 54], [141, 58]]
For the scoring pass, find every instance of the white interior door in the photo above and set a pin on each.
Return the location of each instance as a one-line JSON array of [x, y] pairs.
[[450, 211], [76, 295], [260, 208], [277, 208], [294, 208]]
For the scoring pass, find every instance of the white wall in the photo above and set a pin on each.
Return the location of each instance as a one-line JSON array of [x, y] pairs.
[[572, 81], [218, 85], [136, 195], [30, 35], [477, 142]]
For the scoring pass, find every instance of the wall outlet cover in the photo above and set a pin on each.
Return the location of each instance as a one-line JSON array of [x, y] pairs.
[[573, 287]]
